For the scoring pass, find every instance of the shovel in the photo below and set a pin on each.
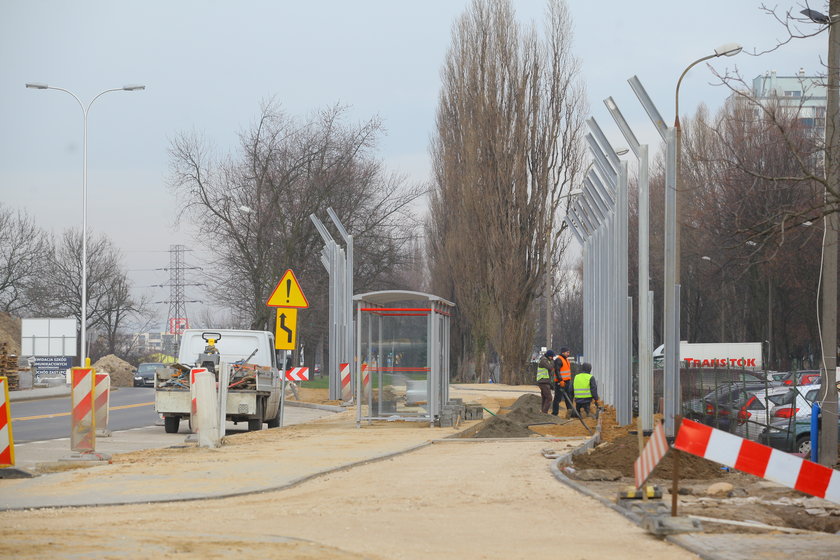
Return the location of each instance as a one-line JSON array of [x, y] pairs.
[[574, 410]]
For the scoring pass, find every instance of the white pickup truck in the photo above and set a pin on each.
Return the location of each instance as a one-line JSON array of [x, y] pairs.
[[254, 387]]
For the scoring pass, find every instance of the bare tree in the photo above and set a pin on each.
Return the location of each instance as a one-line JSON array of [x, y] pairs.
[[254, 208], [506, 151], [57, 291], [22, 252]]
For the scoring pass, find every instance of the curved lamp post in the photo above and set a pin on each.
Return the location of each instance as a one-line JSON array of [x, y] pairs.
[[85, 111], [729, 49], [671, 282]]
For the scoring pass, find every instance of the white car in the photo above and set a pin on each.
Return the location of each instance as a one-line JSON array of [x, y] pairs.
[[801, 407], [751, 416]]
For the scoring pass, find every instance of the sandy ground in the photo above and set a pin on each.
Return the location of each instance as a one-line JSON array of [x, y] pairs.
[[453, 499]]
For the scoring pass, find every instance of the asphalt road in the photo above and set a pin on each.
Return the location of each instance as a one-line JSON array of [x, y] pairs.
[[41, 428], [45, 419]]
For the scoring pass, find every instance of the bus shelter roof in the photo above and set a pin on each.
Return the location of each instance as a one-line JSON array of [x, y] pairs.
[[387, 297]]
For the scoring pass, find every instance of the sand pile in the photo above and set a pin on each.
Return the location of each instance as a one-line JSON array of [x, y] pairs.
[[121, 371]]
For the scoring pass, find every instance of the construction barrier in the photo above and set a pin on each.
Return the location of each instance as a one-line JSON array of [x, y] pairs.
[[82, 418], [366, 387], [760, 460], [207, 409], [656, 448], [7, 440], [193, 399], [297, 374], [102, 401], [346, 386]]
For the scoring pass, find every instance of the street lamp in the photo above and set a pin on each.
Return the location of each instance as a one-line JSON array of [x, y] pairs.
[[729, 49], [85, 111]]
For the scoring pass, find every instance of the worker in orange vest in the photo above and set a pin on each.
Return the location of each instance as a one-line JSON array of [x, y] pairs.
[[562, 382]]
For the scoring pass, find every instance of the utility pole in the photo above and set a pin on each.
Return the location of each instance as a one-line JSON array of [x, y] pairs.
[[828, 393]]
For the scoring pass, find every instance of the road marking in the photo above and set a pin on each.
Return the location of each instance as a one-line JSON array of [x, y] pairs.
[[60, 414]]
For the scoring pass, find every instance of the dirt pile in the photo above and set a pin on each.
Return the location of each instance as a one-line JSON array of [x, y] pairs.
[[526, 410], [10, 332], [620, 453], [523, 413], [121, 371], [498, 427]]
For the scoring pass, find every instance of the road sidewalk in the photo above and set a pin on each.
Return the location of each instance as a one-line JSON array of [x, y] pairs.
[[282, 458]]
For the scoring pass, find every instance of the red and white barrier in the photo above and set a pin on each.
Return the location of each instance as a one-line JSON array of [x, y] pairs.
[[7, 441], [297, 374], [346, 386], [760, 460], [366, 387], [102, 401], [194, 399], [656, 448], [83, 420]]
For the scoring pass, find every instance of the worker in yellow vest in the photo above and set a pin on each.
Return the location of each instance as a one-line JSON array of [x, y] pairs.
[[562, 382], [545, 372], [586, 390]]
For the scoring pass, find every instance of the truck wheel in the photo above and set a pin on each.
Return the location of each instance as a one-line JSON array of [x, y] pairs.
[[171, 423], [254, 424]]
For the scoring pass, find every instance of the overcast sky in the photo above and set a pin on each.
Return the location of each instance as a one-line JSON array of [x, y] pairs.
[[207, 65]]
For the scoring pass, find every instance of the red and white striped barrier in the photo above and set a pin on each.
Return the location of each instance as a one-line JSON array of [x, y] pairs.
[[102, 401], [760, 460], [656, 448], [7, 441], [366, 387], [194, 400], [83, 420], [346, 386], [297, 374]]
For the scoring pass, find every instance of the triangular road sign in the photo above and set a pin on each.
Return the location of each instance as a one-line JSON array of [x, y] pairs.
[[288, 293]]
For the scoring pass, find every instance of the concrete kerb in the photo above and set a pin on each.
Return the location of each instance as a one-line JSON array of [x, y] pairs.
[[327, 407], [566, 458], [558, 473]]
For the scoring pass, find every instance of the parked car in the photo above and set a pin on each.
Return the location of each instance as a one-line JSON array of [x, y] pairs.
[[805, 377], [799, 407], [144, 376], [752, 413], [721, 405], [777, 377], [791, 436]]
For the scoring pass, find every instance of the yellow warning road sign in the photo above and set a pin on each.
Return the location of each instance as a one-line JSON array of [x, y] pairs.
[[288, 293], [285, 333]]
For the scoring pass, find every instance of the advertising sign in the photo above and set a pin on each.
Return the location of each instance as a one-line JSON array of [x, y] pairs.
[[48, 337]]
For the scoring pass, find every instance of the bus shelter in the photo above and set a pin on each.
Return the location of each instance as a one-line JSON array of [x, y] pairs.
[[402, 349]]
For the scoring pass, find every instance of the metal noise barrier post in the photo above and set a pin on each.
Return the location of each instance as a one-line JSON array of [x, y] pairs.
[[207, 410], [82, 418], [102, 403]]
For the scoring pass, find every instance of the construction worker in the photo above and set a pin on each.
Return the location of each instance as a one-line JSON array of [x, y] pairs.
[[586, 390], [562, 382], [545, 372]]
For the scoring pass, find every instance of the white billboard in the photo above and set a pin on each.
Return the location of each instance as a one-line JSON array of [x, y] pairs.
[[48, 337]]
